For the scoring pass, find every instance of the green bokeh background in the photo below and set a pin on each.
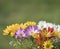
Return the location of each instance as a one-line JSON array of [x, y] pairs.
[[18, 11]]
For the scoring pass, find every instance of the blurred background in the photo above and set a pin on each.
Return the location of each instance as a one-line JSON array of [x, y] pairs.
[[17, 11]]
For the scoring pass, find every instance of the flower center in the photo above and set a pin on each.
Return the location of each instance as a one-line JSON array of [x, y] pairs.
[[21, 34], [47, 45]]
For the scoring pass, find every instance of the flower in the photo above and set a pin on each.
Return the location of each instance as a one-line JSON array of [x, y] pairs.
[[20, 33], [57, 34], [42, 24], [23, 26], [31, 30], [58, 28], [48, 45], [40, 39], [52, 26], [29, 23], [11, 29]]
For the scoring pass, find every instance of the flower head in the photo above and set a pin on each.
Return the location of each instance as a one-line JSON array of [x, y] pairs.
[[58, 28], [42, 24], [29, 23], [23, 26], [31, 30], [48, 45], [11, 29], [20, 33]]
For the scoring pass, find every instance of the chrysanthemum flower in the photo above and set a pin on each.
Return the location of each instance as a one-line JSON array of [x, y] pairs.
[[20, 33], [40, 39], [31, 30], [48, 45], [29, 23], [42, 24], [58, 28], [11, 29], [23, 26]]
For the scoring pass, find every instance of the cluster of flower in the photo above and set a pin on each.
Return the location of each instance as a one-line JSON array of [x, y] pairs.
[[45, 34]]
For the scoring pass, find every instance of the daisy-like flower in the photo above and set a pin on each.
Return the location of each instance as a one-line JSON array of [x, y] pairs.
[[29, 23], [49, 25], [11, 29], [58, 28], [31, 30], [55, 27], [42, 24], [20, 33], [48, 45], [52, 26]]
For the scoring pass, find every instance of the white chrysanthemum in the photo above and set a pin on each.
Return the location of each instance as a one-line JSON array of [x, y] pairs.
[[58, 28], [55, 27], [42, 24], [49, 25], [52, 26]]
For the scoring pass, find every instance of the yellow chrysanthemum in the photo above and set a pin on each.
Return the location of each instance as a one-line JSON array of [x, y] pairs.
[[48, 45], [23, 26], [57, 34], [29, 23], [11, 29], [46, 34]]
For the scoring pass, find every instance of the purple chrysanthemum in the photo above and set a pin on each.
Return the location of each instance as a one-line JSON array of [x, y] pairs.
[[20, 33], [31, 29]]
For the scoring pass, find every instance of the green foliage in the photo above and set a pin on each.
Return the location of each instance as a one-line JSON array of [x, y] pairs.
[[56, 45], [25, 43]]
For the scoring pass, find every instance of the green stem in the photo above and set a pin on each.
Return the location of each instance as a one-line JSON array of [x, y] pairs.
[[20, 43]]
